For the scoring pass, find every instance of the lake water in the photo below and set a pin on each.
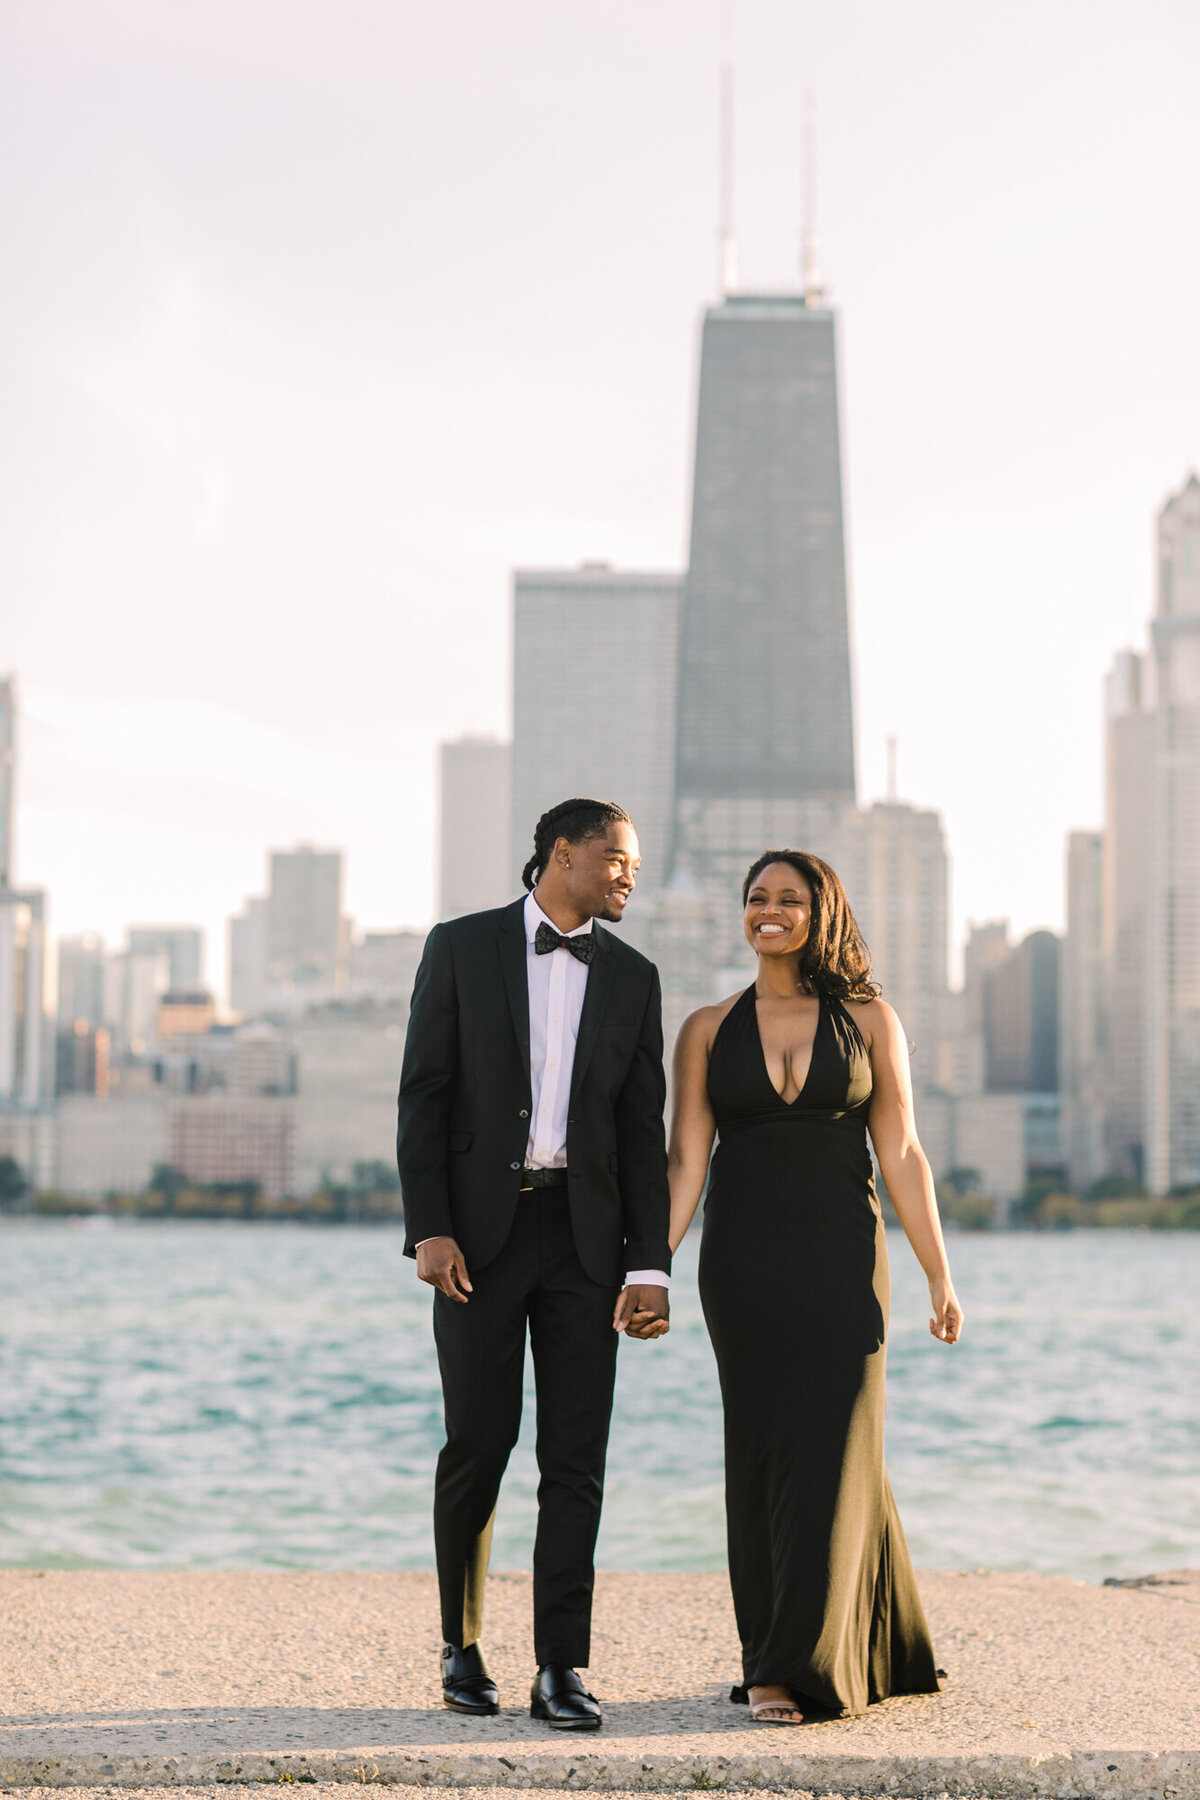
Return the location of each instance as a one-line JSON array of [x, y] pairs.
[[202, 1395]]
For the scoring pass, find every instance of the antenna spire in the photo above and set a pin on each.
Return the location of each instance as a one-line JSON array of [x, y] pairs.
[[891, 768], [727, 247], [814, 293]]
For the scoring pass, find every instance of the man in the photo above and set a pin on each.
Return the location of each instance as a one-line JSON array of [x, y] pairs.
[[534, 1173]]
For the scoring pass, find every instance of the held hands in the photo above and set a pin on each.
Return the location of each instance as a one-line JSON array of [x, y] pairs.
[[642, 1312], [441, 1263], [947, 1320]]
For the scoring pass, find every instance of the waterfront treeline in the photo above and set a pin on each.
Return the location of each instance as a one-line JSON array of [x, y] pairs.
[[372, 1193], [1047, 1204]]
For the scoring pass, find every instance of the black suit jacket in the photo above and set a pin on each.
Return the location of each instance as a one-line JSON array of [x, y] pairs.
[[465, 1099]]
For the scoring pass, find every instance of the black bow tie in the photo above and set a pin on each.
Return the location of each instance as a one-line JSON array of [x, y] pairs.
[[582, 948]]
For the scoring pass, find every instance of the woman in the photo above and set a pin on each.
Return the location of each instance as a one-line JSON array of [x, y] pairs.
[[794, 1281]]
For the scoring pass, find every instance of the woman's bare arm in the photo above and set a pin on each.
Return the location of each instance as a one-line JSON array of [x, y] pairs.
[[905, 1167], [692, 1124]]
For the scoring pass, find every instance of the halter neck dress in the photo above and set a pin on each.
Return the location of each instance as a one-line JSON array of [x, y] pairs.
[[794, 1283]]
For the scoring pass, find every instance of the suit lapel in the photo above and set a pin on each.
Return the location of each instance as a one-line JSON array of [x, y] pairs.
[[595, 1001], [516, 975]]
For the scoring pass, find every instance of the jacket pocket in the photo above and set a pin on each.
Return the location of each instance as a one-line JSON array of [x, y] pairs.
[[461, 1140]]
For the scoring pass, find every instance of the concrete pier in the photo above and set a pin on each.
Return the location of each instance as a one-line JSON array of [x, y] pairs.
[[126, 1681]]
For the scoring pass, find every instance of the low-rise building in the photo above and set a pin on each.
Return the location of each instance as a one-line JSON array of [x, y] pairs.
[[223, 1137], [109, 1145], [348, 1072]]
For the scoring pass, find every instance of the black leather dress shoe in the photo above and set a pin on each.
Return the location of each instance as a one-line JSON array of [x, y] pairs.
[[560, 1698], [466, 1685]]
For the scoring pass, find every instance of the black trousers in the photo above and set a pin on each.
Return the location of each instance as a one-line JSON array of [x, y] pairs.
[[536, 1281]]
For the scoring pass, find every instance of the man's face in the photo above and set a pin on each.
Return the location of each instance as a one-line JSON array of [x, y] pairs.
[[599, 874]]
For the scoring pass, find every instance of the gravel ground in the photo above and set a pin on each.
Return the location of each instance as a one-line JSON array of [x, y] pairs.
[[342, 1790], [125, 1680]]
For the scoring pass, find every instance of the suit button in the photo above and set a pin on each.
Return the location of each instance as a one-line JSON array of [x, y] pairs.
[[524, 1113], [514, 1166]]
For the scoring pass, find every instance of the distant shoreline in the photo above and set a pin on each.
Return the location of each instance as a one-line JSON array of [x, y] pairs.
[[1118, 1217]]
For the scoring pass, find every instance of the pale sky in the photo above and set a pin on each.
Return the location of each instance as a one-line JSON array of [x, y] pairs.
[[320, 318]]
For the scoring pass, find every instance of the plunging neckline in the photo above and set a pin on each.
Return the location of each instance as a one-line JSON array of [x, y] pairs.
[[762, 1050]]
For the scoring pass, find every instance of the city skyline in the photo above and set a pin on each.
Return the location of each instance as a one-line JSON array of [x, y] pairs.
[[1059, 1060], [213, 947], [230, 629]]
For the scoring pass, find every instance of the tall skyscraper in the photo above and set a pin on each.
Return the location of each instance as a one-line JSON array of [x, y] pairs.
[[1020, 1018], [249, 993], [26, 1045], [765, 735], [8, 758], [474, 826], [26, 1040], [900, 898], [1172, 1041], [594, 681]]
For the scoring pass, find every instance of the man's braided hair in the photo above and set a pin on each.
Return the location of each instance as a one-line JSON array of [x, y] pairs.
[[576, 820]]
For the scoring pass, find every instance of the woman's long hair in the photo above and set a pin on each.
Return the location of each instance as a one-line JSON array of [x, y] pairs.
[[834, 961]]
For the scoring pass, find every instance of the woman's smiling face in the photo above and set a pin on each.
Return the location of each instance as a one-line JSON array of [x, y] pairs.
[[778, 910]]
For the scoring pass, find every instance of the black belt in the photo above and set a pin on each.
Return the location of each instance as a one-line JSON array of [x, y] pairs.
[[542, 1178]]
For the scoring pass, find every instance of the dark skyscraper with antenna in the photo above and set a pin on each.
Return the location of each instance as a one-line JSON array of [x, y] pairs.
[[765, 723], [765, 707]]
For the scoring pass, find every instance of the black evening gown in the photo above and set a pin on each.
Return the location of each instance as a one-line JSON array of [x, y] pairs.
[[794, 1282]]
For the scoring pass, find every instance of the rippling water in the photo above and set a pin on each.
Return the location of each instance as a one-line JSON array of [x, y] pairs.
[[238, 1395]]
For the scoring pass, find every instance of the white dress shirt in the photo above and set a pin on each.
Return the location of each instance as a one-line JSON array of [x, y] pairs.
[[557, 984]]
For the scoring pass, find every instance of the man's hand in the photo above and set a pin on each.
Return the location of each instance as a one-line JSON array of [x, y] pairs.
[[441, 1263], [642, 1312]]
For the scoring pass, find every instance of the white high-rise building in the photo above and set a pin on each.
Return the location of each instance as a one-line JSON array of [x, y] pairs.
[[594, 658], [1172, 1040], [26, 1055], [1151, 876], [26, 1040], [1125, 901], [8, 761], [249, 992], [147, 977], [81, 963], [474, 826], [900, 899]]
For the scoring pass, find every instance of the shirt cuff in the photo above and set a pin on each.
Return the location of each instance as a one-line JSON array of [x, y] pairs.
[[638, 1277]]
